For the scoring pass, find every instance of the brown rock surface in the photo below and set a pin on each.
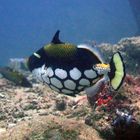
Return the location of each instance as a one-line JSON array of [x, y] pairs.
[[130, 50]]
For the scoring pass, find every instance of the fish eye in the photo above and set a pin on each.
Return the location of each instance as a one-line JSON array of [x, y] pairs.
[[37, 55]]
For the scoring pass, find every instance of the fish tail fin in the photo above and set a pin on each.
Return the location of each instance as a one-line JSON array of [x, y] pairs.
[[117, 71]]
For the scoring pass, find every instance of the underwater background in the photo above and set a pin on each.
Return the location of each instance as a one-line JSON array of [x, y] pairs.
[[25, 26], [30, 110]]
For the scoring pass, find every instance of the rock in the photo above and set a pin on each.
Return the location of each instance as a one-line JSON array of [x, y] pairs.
[[43, 112], [10, 125], [20, 119], [27, 90], [89, 120], [2, 130], [30, 105], [107, 118], [26, 118], [2, 95], [18, 114], [2, 116], [60, 105], [72, 103]]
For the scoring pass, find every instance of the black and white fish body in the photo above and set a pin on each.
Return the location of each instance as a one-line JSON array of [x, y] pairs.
[[70, 69]]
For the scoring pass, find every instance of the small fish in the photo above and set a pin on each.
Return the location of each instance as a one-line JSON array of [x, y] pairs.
[[15, 77], [70, 69]]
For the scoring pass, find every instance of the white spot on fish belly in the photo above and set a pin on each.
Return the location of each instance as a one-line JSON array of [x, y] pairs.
[[39, 72], [46, 78], [54, 88], [49, 72], [70, 84], [62, 74], [56, 83], [75, 74], [67, 91], [90, 74], [80, 87], [84, 82]]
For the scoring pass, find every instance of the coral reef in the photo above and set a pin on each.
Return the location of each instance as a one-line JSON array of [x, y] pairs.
[[38, 113], [130, 50]]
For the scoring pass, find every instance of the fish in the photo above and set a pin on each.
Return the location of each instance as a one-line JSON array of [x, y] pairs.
[[15, 76], [69, 69]]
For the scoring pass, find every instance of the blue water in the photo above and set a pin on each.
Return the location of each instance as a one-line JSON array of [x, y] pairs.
[[26, 26]]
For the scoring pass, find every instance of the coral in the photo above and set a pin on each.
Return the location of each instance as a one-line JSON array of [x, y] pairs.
[[130, 50], [132, 84], [40, 113]]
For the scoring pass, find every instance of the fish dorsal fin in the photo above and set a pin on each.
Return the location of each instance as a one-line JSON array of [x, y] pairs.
[[58, 48], [55, 39]]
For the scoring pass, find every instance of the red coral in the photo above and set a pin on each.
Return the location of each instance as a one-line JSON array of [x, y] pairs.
[[102, 101]]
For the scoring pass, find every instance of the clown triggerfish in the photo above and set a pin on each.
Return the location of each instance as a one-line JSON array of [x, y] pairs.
[[70, 69]]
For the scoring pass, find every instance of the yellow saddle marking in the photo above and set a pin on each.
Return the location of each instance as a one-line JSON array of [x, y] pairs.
[[104, 66], [61, 50]]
